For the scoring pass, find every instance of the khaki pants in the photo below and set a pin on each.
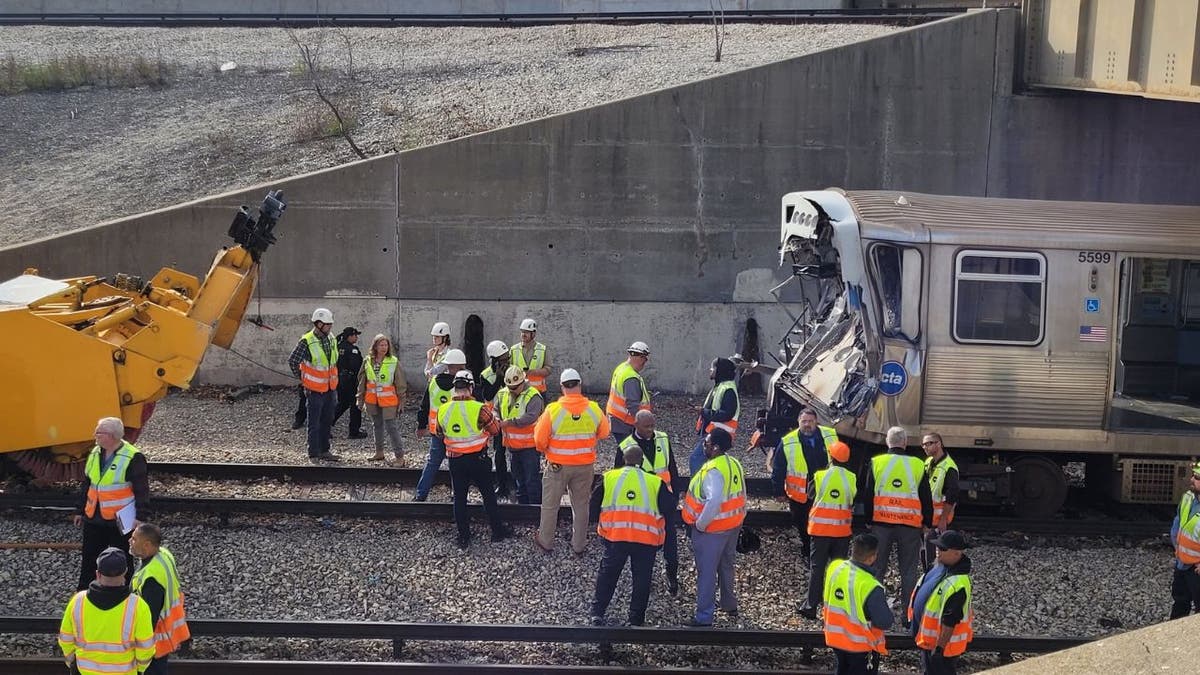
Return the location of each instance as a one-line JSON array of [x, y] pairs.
[[575, 481]]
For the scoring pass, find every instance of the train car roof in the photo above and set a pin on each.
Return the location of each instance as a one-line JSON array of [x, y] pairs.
[[984, 221]]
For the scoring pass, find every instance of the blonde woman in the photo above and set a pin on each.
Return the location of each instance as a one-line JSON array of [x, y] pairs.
[[381, 390]]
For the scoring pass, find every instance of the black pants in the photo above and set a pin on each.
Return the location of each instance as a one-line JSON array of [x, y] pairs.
[[641, 564], [346, 395], [619, 437], [1185, 592], [503, 488], [670, 546], [800, 520], [473, 468], [96, 538], [301, 409], [853, 663], [824, 549], [320, 421], [934, 663], [159, 666]]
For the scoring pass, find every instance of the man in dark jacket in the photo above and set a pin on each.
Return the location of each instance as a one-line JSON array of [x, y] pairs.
[[349, 363], [120, 623], [646, 437], [113, 463], [720, 410]]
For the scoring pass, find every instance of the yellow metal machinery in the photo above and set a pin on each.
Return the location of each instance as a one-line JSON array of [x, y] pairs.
[[97, 347]]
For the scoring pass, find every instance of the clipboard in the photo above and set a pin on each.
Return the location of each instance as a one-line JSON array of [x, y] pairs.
[[127, 518]]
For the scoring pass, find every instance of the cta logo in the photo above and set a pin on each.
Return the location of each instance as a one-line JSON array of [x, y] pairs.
[[893, 378]]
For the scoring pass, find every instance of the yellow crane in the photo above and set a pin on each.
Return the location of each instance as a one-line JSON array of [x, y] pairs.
[[96, 347]]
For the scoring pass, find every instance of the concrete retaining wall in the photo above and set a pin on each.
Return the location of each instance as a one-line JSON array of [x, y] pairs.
[[655, 217]]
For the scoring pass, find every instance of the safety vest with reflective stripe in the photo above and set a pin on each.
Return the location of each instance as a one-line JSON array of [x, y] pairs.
[[937, 480], [112, 490], [107, 641], [437, 398], [629, 511], [931, 617], [170, 626], [381, 388], [1187, 541], [847, 628], [320, 372], [512, 408], [796, 483], [662, 455], [833, 502], [459, 423], [897, 484], [538, 361], [617, 407], [733, 500], [572, 437], [713, 403]]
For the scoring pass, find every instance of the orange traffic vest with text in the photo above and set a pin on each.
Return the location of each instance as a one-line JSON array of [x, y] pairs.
[[897, 484]]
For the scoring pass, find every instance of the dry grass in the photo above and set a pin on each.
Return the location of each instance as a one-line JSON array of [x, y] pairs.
[[70, 72], [315, 122]]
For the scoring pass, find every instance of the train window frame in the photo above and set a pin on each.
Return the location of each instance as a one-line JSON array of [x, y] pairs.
[[1041, 278], [877, 278]]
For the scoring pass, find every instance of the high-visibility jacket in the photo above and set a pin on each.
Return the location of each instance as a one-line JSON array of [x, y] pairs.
[[170, 626], [512, 408], [733, 500], [662, 455], [832, 509], [897, 488], [796, 483], [937, 480], [112, 490], [1187, 541], [617, 407], [538, 361], [713, 403], [381, 386], [931, 615], [458, 421], [437, 398], [629, 511], [847, 627], [107, 641], [320, 372], [572, 437]]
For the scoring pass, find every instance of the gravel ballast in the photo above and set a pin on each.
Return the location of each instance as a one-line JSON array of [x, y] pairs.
[[70, 159]]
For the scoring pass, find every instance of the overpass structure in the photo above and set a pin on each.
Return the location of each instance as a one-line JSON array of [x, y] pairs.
[[654, 217]]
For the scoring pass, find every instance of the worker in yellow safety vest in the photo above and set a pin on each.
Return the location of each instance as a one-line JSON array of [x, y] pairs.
[[107, 629], [1185, 534], [157, 583], [627, 392], [943, 489], [314, 361], [856, 609], [438, 393], [799, 454], [632, 503], [831, 497], [939, 610], [531, 356], [720, 410], [658, 459], [715, 505]]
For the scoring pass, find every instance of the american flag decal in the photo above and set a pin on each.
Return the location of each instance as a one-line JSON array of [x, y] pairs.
[[1093, 334]]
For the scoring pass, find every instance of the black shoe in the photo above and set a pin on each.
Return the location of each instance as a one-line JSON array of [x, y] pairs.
[[731, 613], [596, 620], [330, 457], [298, 425], [463, 540], [693, 623], [504, 532], [809, 613], [420, 498], [360, 434]]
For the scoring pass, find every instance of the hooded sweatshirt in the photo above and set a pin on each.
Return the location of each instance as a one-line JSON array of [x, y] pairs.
[[723, 371]]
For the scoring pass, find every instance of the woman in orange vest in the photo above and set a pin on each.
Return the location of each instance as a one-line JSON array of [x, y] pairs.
[[380, 394]]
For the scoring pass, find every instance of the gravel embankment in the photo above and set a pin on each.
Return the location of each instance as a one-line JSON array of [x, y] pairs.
[[75, 158]]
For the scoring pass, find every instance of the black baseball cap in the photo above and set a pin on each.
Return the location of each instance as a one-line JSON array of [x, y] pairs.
[[950, 540], [112, 562]]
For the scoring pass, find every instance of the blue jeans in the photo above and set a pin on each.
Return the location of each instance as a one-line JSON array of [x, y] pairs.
[[320, 420], [525, 466], [437, 455], [697, 458]]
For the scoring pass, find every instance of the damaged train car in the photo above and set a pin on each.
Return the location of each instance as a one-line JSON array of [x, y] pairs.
[[1029, 334]]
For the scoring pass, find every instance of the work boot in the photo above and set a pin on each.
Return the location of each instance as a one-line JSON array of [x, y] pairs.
[[463, 540], [330, 457], [501, 533], [298, 425]]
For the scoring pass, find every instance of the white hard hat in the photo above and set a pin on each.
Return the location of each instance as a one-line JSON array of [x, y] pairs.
[[323, 315], [569, 375], [529, 324], [440, 329], [640, 348], [514, 375], [454, 357], [496, 349], [463, 379]]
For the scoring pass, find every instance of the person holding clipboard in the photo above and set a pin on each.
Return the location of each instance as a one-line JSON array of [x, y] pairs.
[[114, 498]]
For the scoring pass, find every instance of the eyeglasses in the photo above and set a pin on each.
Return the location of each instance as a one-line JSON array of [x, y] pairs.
[[926, 444]]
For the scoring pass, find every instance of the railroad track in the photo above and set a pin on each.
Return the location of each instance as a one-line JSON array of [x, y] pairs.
[[517, 513], [892, 15], [54, 666]]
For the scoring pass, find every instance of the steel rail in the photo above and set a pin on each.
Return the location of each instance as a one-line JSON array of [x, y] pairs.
[[54, 666], [354, 19], [520, 513], [399, 632]]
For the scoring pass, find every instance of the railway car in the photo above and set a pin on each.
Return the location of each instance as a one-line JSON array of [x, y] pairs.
[[1032, 335]]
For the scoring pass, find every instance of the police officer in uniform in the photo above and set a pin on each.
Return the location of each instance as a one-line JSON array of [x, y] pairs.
[[349, 363]]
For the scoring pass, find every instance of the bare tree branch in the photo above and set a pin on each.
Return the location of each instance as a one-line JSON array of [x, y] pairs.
[[718, 15], [310, 58]]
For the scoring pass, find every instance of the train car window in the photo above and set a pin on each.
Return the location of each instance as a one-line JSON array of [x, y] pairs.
[[898, 278], [999, 297]]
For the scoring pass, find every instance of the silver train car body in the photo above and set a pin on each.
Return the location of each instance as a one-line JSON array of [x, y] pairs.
[[1029, 334]]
